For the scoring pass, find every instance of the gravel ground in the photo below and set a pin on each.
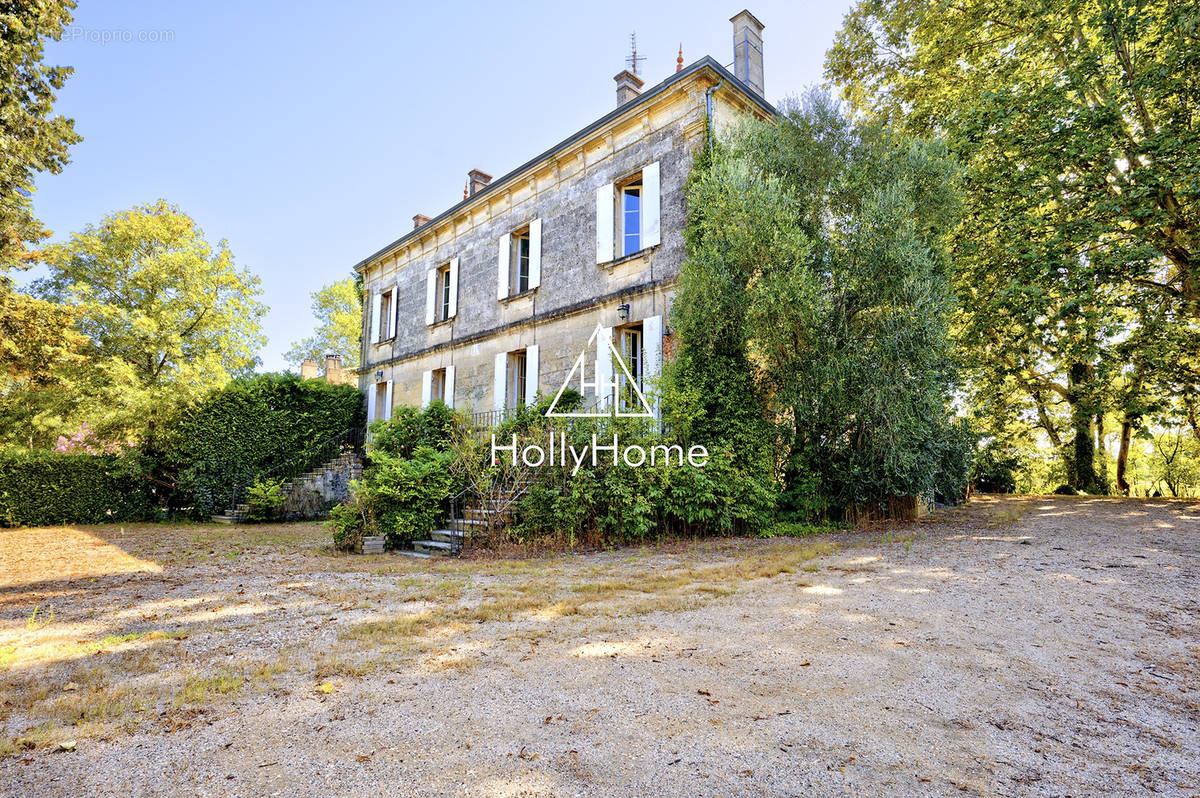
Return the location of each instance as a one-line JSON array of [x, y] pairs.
[[1019, 646]]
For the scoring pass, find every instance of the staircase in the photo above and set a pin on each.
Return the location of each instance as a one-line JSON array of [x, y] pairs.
[[324, 484], [470, 513]]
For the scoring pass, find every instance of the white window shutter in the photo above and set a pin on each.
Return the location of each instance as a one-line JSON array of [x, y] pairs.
[[430, 294], [604, 223], [652, 339], [502, 266], [395, 328], [449, 386], [535, 253], [651, 206], [376, 308], [531, 374], [371, 409], [387, 401], [499, 380], [604, 368], [426, 388], [454, 287]]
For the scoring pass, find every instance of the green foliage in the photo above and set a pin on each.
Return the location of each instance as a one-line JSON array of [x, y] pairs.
[[347, 525], [31, 140], [800, 529], [616, 504], [44, 488], [264, 500], [339, 313], [410, 475], [168, 318], [813, 311], [402, 497], [995, 469], [409, 429], [1077, 250], [253, 425]]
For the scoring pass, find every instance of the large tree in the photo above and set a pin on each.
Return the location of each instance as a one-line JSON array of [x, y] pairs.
[[31, 140], [167, 317], [1077, 123], [338, 309], [34, 335], [817, 266]]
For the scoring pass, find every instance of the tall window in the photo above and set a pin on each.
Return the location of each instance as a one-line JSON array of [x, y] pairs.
[[629, 216], [385, 316], [519, 263], [382, 411], [631, 353], [438, 385], [516, 380], [443, 293]]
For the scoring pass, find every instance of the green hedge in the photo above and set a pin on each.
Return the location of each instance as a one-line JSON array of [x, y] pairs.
[[46, 488], [254, 425]]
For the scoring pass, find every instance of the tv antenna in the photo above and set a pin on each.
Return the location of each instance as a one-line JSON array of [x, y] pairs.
[[633, 59]]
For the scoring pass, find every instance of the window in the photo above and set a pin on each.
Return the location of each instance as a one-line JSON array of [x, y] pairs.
[[516, 379], [631, 353], [438, 385], [629, 216], [385, 316], [382, 400], [444, 285], [518, 279]]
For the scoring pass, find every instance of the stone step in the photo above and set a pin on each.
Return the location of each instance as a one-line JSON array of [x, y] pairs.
[[419, 554], [224, 519], [432, 546], [446, 535]]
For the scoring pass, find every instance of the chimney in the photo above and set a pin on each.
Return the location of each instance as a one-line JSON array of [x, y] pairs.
[[308, 369], [478, 181], [629, 86], [419, 220], [748, 51]]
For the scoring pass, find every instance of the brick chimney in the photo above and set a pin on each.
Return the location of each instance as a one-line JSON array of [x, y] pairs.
[[478, 181], [629, 86], [419, 220], [748, 51]]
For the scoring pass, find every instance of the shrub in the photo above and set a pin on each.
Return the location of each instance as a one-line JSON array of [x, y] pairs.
[[265, 501], [346, 522], [995, 469], [410, 428], [401, 498], [43, 488], [252, 426]]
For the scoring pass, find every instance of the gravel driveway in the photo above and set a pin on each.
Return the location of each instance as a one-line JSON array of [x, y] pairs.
[[1019, 646]]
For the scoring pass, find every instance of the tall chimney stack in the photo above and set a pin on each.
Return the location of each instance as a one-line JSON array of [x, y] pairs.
[[748, 51], [478, 181], [629, 86]]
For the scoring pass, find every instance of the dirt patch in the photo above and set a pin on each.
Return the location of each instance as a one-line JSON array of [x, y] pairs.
[[1018, 646]]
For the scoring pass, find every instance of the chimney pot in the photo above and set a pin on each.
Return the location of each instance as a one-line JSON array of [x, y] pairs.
[[419, 220], [629, 86], [748, 51], [478, 180]]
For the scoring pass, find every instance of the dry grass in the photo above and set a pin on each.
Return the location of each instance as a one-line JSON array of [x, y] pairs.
[[100, 636]]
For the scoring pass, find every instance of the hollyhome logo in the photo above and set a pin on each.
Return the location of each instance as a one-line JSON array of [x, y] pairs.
[[610, 375]]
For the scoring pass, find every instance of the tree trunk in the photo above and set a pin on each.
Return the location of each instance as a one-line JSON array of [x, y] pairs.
[[1081, 473], [1123, 455]]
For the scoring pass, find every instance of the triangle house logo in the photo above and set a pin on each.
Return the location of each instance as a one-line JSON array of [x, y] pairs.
[[609, 375]]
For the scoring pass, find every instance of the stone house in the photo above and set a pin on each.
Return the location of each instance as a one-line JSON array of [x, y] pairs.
[[489, 304]]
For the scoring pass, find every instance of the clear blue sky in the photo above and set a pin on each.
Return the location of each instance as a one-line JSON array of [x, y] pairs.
[[308, 134]]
